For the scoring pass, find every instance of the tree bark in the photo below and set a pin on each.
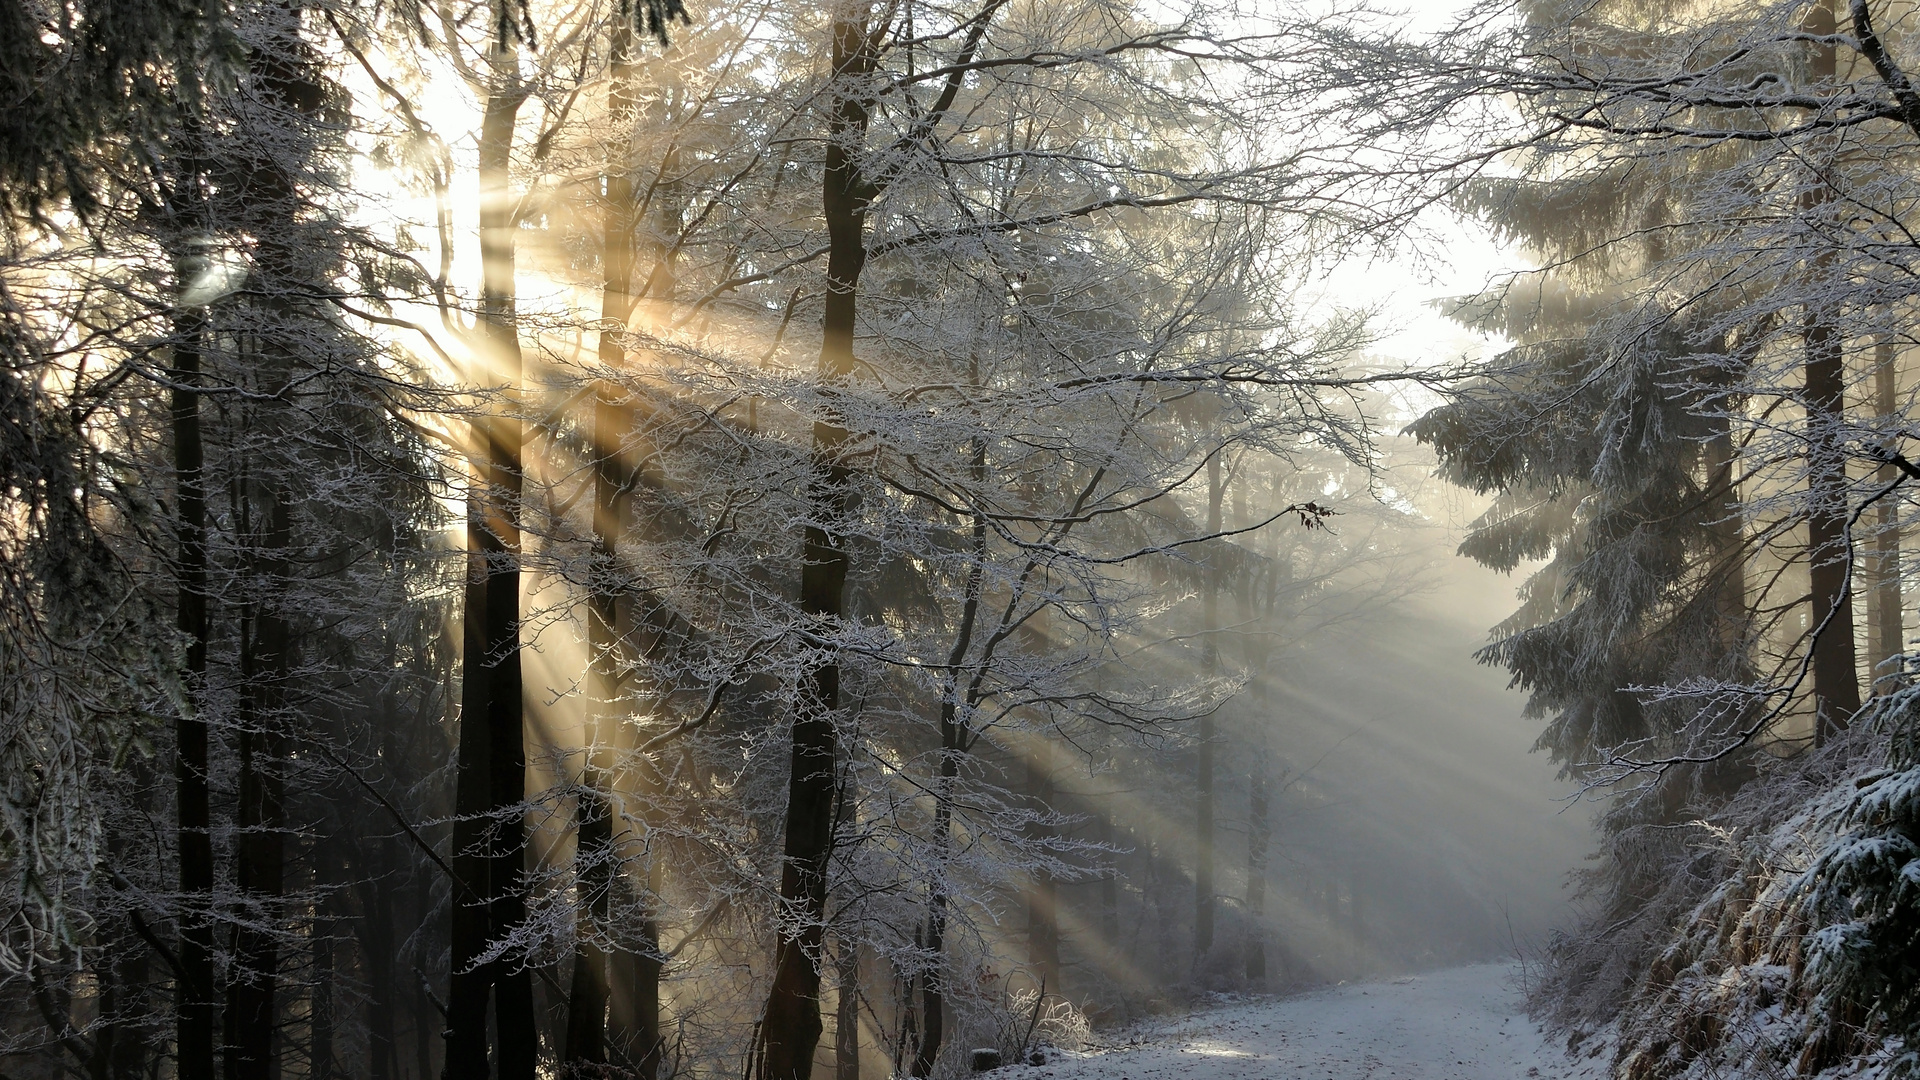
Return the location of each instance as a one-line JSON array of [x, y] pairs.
[[1836, 676], [194, 1003], [846, 1021], [320, 1050], [589, 995], [1888, 631], [1259, 832], [790, 1026], [953, 743], [383, 997], [1203, 885], [1729, 555], [491, 783], [289, 76], [1043, 892], [1109, 891], [259, 849]]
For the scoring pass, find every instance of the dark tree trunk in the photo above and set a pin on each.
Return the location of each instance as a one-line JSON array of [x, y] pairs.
[[490, 837], [633, 1002], [125, 1045], [1836, 676], [320, 1064], [790, 1027], [290, 79], [846, 1021], [953, 743], [1729, 555], [614, 1011], [195, 1006], [383, 987], [259, 849], [587, 997], [1836, 679]]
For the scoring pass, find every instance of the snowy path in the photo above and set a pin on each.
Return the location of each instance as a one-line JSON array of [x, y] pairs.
[[1459, 1024]]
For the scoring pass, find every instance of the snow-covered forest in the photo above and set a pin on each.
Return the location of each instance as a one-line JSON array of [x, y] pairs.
[[745, 540]]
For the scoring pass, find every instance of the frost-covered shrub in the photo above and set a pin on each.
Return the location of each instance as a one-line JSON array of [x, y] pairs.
[[1801, 953], [1862, 896]]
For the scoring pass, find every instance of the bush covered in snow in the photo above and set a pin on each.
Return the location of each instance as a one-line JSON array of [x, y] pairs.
[[1795, 949]]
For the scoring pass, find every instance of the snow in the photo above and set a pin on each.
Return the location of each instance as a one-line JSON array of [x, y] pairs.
[[1458, 1024]]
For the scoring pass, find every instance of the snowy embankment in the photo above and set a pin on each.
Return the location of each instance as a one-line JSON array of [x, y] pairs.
[[1458, 1024]]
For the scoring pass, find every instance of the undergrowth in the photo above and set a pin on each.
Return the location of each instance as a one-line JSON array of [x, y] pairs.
[[1774, 931]]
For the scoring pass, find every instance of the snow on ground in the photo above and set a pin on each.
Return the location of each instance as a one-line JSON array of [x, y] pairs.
[[1458, 1024]]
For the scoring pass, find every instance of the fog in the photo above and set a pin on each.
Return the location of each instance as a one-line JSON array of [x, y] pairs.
[[758, 541]]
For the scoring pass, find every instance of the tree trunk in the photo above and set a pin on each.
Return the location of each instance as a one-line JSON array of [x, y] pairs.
[[194, 1003], [383, 996], [1836, 679], [289, 76], [1109, 891], [1888, 632], [492, 757], [1259, 831], [1043, 892], [846, 1021], [588, 996], [125, 1044], [1729, 555], [259, 849], [953, 743], [1836, 676], [320, 1052], [1203, 886], [790, 1026]]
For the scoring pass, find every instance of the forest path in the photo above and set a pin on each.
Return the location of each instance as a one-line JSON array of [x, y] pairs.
[[1457, 1024]]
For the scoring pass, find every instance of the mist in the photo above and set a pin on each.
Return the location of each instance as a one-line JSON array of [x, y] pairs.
[[754, 541]]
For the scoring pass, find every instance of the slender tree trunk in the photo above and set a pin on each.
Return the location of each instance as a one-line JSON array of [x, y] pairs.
[[126, 1047], [383, 998], [1730, 594], [1259, 832], [933, 1000], [288, 74], [1888, 632], [588, 996], [634, 1035], [259, 850], [790, 1027], [1109, 891], [1836, 676], [953, 743], [492, 757], [1043, 892], [633, 1006], [194, 1003], [472, 983], [1203, 885], [320, 1054], [846, 1020]]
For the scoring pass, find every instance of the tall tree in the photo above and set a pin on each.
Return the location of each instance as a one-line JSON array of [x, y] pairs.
[[490, 838], [790, 1028]]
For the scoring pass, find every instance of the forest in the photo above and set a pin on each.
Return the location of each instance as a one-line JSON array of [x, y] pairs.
[[737, 540]]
